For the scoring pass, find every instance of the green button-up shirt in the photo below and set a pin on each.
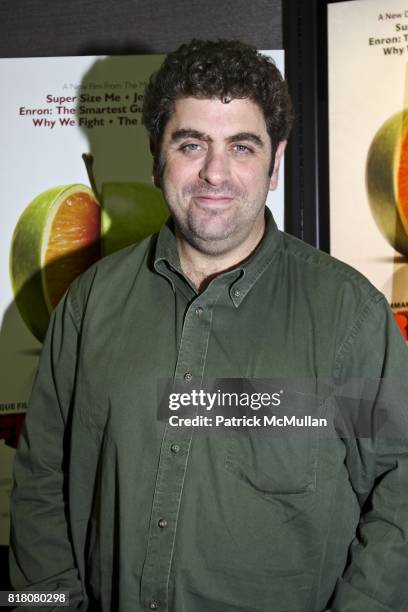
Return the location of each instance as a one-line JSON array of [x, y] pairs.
[[131, 514]]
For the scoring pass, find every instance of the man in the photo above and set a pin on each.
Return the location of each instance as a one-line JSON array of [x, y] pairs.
[[129, 513]]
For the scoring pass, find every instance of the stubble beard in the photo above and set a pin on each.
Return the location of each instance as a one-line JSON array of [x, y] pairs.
[[217, 231]]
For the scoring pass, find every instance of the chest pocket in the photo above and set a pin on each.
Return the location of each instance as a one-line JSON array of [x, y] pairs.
[[280, 456]]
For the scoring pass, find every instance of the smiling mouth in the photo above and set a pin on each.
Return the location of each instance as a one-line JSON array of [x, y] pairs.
[[215, 200]]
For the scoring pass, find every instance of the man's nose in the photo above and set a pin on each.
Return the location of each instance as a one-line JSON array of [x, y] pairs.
[[215, 168]]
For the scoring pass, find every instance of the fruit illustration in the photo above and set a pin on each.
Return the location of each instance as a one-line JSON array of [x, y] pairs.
[[401, 319], [66, 229], [387, 180], [131, 211], [55, 239]]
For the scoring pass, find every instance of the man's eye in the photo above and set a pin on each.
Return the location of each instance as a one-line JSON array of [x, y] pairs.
[[240, 148], [190, 147]]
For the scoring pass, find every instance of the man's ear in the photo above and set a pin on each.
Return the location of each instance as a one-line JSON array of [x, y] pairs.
[[275, 174]]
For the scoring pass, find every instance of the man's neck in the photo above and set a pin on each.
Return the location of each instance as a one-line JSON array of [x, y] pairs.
[[200, 267]]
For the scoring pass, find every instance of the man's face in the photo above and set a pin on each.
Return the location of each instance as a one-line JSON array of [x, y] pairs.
[[215, 179]]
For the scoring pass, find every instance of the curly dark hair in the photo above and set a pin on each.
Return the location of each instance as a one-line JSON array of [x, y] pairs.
[[221, 69]]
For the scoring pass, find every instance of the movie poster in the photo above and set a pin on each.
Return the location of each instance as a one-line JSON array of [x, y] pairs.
[[368, 129], [76, 185]]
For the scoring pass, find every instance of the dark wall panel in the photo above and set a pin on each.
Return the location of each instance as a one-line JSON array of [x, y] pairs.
[[85, 27]]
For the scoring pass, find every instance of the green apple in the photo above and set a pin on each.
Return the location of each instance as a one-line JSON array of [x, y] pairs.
[[61, 233], [130, 212]]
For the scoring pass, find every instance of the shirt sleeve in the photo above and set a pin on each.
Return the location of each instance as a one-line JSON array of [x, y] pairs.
[[41, 555], [375, 357]]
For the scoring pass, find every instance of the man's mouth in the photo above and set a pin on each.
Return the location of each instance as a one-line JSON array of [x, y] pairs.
[[213, 200]]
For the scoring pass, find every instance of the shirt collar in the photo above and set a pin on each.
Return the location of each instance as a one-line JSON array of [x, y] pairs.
[[240, 279]]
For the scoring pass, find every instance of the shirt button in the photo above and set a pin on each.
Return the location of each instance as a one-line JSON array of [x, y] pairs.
[[175, 448], [199, 311], [237, 293], [162, 523], [153, 605], [188, 376]]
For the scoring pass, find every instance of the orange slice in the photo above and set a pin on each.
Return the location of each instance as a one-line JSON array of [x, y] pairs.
[[56, 238], [73, 244]]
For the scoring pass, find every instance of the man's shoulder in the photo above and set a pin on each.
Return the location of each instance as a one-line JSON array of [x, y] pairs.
[[319, 271], [112, 273]]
